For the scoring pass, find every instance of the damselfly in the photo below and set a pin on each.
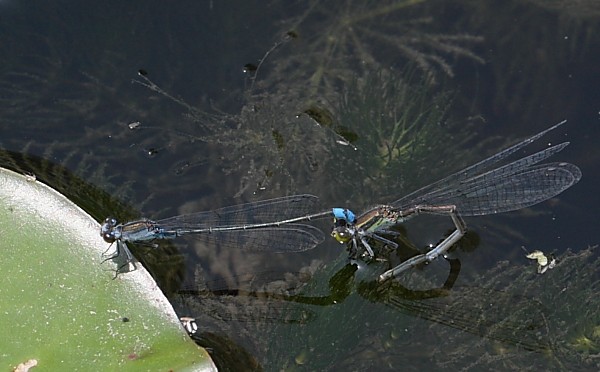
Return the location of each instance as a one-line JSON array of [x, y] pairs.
[[483, 188], [266, 225]]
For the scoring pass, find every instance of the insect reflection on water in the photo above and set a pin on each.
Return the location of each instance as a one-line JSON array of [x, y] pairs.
[[310, 309]]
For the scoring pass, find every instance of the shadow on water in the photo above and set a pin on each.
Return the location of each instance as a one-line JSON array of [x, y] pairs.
[[509, 317]]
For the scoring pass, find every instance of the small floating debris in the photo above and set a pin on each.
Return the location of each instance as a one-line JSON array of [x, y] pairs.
[[134, 125], [26, 366], [30, 177], [189, 324], [544, 262]]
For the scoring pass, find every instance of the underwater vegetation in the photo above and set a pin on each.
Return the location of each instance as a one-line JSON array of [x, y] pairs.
[[400, 126], [346, 94], [380, 133], [570, 316], [333, 316], [363, 62], [332, 42]]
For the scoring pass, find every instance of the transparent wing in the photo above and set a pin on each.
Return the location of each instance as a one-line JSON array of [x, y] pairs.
[[477, 190], [262, 211], [285, 238]]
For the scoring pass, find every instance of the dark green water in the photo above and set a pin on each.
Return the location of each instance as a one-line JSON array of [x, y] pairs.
[[420, 88]]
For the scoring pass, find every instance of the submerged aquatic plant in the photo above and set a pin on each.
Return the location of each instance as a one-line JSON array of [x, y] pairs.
[[333, 41], [380, 135], [400, 129], [510, 317], [565, 297]]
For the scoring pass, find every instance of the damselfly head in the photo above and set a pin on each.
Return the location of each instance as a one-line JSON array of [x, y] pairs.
[[342, 234], [107, 230], [343, 225]]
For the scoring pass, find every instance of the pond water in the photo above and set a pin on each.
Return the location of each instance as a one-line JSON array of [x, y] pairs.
[[170, 109]]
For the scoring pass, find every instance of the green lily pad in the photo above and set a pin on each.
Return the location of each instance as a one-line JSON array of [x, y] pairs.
[[63, 308]]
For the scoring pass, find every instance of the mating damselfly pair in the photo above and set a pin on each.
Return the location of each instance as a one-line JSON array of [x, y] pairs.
[[493, 185]]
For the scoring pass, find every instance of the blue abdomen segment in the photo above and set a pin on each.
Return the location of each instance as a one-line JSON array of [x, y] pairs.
[[344, 214]]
